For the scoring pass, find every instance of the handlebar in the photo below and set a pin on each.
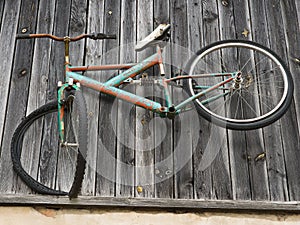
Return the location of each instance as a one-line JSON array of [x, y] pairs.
[[94, 36]]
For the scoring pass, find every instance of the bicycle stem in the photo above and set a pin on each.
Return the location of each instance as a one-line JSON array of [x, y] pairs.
[[67, 53]]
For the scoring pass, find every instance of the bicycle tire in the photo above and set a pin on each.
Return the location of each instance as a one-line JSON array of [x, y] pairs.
[[268, 67], [49, 110]]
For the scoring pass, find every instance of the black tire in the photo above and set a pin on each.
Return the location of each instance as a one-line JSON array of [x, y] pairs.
[[23, 138], [254, 87]]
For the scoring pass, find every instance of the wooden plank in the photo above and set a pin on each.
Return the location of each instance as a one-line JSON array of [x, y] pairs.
[[163, 140], [17, 94], [165, 204], [39, 81], [36, 82], [126, 117], [183, 168], [10, 12], [144, 141], [254, 139], [161, 12], [93, 57], [213, 169], [272, 146], [163, 144], [48, 157], [41, 58], [236, 139], [291, 26], [277, 44], [106, 159], [1, 12], [290, 123], [66, 162], [297, 9], [200, 34]]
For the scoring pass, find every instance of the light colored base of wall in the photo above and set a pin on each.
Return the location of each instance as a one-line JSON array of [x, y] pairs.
[[44, 216]]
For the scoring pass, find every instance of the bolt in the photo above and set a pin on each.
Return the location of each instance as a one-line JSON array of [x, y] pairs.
[[90, 114], [157, 171], [168, 172], [23, 72], [225, 3], [24, 30], [139, 189]]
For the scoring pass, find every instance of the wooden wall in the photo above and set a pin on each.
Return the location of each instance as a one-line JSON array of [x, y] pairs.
[[29, 71]]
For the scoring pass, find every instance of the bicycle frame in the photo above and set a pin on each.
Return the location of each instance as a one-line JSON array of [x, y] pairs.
[[110, 87]]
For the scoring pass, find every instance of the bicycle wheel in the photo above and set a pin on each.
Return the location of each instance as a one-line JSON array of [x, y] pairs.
[[58, 169], [259, 94]]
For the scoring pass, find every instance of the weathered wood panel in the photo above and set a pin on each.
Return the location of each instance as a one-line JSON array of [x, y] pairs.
[[254, 141], [93, 53], [107, 155], [236, 139], [1, 12], [164, 163], [144, 136], [274, 150], [77, 25], [290, 122], [202, 31], [39, 77], [48, 157], [291, 26], [15, 77], [127, 156], [125, 183]]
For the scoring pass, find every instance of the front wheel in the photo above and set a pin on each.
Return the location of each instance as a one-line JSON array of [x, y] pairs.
[[259, 94], [55, 168]]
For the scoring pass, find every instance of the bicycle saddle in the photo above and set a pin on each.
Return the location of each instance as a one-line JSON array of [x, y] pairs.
[[158, 35]]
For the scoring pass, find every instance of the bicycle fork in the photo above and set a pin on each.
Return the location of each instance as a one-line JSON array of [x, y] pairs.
[[62, 89]]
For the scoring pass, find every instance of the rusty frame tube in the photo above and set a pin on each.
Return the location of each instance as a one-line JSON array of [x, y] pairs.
[[110, 86], [199, 76], [118, 93], [102, 67], [192, 98], [135, 70]]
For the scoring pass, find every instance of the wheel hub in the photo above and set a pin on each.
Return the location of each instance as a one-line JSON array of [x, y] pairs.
[[238, 80]]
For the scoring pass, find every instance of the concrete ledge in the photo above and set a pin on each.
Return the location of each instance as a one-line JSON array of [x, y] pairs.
[[44, 216]]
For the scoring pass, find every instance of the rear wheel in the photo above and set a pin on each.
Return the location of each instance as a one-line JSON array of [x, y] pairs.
[[54, 168], [260, 93]]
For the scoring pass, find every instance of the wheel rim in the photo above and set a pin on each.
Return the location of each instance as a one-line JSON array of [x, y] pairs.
[[43, 157], [265, 76]]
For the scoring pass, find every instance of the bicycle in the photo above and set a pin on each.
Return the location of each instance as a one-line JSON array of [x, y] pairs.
[[235, 84]]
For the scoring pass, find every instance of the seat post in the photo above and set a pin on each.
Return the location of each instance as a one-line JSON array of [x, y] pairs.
[[67, 42], [67, 57], [160, 61]]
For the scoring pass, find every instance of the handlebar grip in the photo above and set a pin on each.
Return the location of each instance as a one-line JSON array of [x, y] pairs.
[[23, 36], [96, 36]]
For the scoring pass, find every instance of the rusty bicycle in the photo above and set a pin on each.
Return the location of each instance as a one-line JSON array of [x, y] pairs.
[[235, 84]]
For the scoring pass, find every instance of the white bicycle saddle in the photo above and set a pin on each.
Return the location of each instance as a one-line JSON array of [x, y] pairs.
[[153, 38]]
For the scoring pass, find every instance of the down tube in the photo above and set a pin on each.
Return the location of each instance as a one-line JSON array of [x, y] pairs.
[[118, 93]]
